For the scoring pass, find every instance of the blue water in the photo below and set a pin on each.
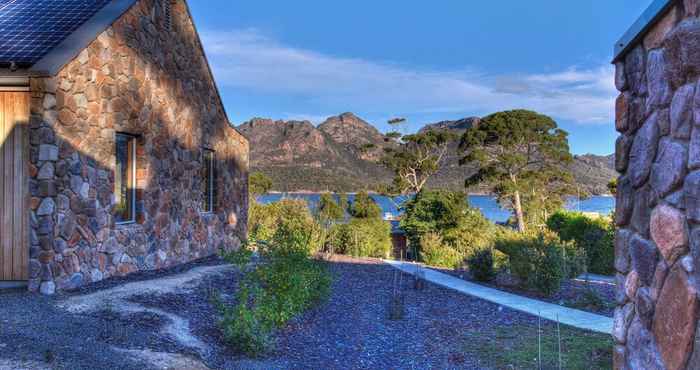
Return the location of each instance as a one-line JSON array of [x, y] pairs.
[[487, 204]]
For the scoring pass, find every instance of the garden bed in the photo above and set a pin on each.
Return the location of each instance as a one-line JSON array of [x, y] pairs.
[[592, 296]]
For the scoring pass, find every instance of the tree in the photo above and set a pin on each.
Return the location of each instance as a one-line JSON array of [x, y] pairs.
[[518, 152], [363, 206], [418, 157], [329, 211], [259, 184]]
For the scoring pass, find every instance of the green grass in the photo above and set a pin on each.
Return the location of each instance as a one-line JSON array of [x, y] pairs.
[[516, 347]]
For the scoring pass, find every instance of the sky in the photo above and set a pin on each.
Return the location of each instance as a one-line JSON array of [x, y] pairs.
[[425, 61]]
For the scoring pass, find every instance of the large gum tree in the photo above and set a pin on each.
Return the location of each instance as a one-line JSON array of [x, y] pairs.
[[518, 152]]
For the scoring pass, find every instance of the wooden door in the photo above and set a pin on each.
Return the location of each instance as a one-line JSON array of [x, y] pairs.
[[14, 215]]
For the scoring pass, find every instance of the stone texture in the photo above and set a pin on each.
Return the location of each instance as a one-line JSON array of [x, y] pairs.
[[643, 254], [669, 169], [669, 231], [691, 189], [642, 349], [622, 112], [635, 70], [156, 85], [694, 150], [622, 257], [682, 52], [621, 321], [620, 77], [676, 319], [656, 36], [643, 152], [645, 200], [660, 92], [624, 201], [632, 284], [644, 305], [622, 152], [682, 115], [620, 295]]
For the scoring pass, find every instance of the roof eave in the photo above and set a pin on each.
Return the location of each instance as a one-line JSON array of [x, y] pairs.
[[636, 32], [81, 38]]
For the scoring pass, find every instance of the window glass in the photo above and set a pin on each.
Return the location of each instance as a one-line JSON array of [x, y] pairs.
[[125, 178]]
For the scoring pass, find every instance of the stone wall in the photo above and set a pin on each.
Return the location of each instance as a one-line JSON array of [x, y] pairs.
[[658, 202], [145, 77]]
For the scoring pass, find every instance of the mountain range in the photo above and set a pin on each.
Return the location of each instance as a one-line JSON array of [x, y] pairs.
[[343, 154]]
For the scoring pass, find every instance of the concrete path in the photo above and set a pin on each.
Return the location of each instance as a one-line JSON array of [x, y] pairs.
[[594, 278], [568, 316]]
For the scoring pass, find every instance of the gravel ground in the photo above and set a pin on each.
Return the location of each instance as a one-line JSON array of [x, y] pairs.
[[350, 330], [573, 293]]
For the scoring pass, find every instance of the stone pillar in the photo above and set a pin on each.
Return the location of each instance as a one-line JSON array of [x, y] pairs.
[[657, 245]]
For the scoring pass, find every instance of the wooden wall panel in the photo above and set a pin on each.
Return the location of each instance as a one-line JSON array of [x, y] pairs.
[[14, 215]]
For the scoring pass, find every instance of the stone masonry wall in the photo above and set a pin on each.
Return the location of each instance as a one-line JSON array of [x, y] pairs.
[[658, 202], [147, 78]]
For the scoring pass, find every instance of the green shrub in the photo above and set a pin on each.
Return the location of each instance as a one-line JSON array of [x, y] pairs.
[[362, 237], [286, 221], [363, 206], [482, 265], [538, 260], [463, 229], [434, 252], [592, 236], [284, 283]]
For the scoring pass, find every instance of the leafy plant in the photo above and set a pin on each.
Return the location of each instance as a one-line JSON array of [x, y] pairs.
[[363, 206], [538, 260], [282, 284], [435, 253], [259, 184], [463, 229], [363, 237], [592, 236], [482, 265]]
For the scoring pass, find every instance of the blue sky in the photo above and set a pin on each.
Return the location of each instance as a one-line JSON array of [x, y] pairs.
[[425, 61]]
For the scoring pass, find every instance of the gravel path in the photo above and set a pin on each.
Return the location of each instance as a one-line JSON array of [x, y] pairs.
[[350, 330]]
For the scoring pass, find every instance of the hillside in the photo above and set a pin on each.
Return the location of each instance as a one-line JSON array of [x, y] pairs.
[[343, 154]]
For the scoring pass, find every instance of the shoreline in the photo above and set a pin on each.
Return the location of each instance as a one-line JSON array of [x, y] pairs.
[[309, 192]]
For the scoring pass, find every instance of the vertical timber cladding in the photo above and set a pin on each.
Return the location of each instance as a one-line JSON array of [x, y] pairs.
[[14, 215]]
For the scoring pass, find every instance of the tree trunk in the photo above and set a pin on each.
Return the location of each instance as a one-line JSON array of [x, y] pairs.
[[519, 211]]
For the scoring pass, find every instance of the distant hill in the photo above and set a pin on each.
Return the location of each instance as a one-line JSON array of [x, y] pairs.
[[343, 154]]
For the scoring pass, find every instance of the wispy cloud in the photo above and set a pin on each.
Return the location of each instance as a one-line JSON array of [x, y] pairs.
[[251, 60]]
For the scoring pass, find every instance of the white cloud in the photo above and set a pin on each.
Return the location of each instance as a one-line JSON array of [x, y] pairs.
[[250, 60]]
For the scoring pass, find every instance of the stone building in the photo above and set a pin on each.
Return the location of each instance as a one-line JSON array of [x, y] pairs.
[[657, 245], [116, 154]]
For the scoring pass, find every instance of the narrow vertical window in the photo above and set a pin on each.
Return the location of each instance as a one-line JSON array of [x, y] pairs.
[[208, 180], [125, 179]]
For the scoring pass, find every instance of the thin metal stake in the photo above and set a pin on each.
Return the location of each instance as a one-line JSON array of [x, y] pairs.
[[559, 339], [539, 340]]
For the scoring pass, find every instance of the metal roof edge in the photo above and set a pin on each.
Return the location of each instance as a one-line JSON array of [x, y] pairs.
[[648, 19], [81, 38]]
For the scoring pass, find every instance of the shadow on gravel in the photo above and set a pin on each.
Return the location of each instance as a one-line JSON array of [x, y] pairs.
[[439, 329]]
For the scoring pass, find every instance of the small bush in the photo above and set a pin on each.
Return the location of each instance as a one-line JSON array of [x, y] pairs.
[[362, 237], [434, 252], [592, 236], [463, 229], [284, 281], [538, 260], [288, 222], [482, 265]]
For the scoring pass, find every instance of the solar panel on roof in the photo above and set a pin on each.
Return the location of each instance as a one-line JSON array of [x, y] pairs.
[[29, 29]]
